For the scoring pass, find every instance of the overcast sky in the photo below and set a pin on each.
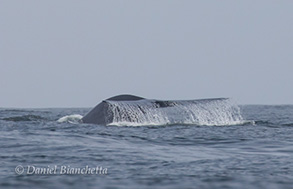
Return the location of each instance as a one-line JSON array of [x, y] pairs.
[[75, 53]]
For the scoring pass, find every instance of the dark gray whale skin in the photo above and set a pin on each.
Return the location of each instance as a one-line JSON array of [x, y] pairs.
[[102, 115]]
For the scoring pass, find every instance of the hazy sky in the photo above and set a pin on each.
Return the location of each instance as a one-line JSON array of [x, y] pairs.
[[75, 53]]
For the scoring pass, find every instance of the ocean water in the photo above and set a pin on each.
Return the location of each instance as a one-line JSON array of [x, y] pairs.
[[37, 151]]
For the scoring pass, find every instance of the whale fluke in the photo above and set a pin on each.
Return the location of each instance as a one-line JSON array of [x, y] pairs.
[[135, 110]]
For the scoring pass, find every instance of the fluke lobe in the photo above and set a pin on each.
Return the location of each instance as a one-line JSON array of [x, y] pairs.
[[102, 114]]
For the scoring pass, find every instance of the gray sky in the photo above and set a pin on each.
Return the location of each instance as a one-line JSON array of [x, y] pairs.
[[73, 53]]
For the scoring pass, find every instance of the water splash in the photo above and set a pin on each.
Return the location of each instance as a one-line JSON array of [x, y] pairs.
[[196, 112], [75, 118]]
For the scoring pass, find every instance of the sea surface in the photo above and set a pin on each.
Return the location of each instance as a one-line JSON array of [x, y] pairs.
[[37, 151]]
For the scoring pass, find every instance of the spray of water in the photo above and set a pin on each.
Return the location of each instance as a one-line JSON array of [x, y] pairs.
[[196, 112], [75, 118]]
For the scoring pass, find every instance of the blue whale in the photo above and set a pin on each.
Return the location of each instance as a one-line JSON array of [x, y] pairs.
[[135, 109]]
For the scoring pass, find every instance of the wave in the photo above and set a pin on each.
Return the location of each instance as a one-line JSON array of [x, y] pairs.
[[272, 124], [25, 118], [74, 118]]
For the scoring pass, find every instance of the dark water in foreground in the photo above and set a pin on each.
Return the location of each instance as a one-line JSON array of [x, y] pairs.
[[256, 155]]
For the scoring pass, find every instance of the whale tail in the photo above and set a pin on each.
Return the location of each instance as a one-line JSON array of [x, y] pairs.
[[133, 110]]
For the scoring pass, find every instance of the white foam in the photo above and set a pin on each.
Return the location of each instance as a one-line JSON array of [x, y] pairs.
[[202, 112], [75, 118]]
